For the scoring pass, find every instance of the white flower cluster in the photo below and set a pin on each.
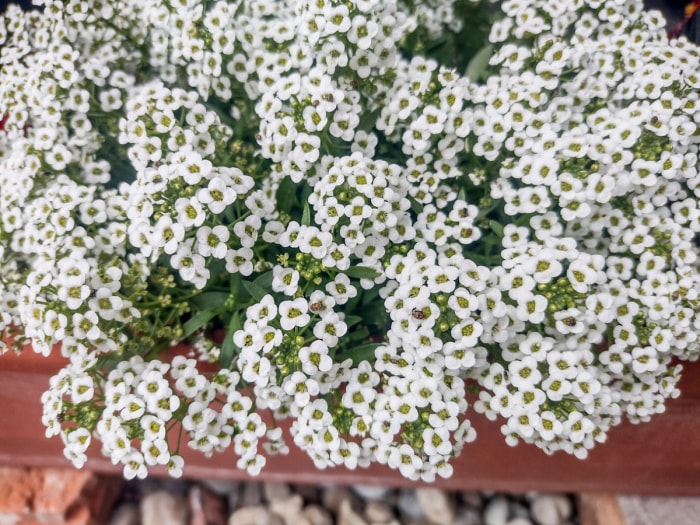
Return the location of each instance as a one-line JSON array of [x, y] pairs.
[[594, 118], [358, 231]]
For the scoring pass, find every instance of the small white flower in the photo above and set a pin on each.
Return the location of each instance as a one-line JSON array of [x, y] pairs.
[[294, 313], [212, 241], [340, 289], [285, 280]]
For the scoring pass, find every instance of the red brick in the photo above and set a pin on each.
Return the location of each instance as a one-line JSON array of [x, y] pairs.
[[57, 489], [15, 491], [53, 519], [55, 496]]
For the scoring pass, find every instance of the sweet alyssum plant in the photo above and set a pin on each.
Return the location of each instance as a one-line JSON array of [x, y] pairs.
[[359, 212]]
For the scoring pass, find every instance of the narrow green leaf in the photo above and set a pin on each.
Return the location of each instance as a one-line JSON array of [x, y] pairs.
[[353, 303], [306, 215], [369, 296], [234, 283], [352, 320], [260, 287], [363, 352], [362, 272], [368, 120], [255, 291], [217, 268], [497, 228], [479, 63], [286, 195], [374, 313], [209, 300], [358, 335], [306, 190], [416, 206], [228, 347], [265, 280], [199, 320]]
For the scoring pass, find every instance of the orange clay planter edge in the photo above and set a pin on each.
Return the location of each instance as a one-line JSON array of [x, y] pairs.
[[659, 457]]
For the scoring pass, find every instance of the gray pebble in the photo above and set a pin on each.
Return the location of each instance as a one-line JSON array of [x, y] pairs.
[[333, 497], [371, 492], [550, 509], [409, 506], [468, 517], [496, 511], [438, 505], [518, 510], [221, 487], [251, 495], [378, 512], [254, 515], [288, 508], [163, 508], [317, 515], [347, 516], [472, 498], [274, 491], [519, 521]]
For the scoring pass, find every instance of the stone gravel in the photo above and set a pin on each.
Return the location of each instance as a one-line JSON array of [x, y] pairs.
[[218, 502]]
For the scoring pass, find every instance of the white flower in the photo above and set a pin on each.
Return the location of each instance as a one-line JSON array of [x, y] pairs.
[[329, 329], [212, 241], [340, 289], [155, 452], [294, 314], [175, 464], [168, 235], [524, 373], [405, 460], [189, 212], [285, 280], [82, 388], [217, 195], [301, 388], [134, 465]]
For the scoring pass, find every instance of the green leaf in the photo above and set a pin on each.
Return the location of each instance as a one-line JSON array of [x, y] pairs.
[[255, 291], [362, 272], [368, 120], [358, 335], [306, 190], [200, 319], [374, 313], [476, 69], [416, 206], [352, 320], [260, 287], [234, 283], [265, 281], [352, 304], [286, 195], [209, 300], [228, 348], [371, 295], [363, 352], [497, 228], [306, 215], [217, 268]]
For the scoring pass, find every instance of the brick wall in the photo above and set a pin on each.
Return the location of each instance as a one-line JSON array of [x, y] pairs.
[[33, 496]]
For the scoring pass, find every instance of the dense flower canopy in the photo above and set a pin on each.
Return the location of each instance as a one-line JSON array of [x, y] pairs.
[[381, 205]]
